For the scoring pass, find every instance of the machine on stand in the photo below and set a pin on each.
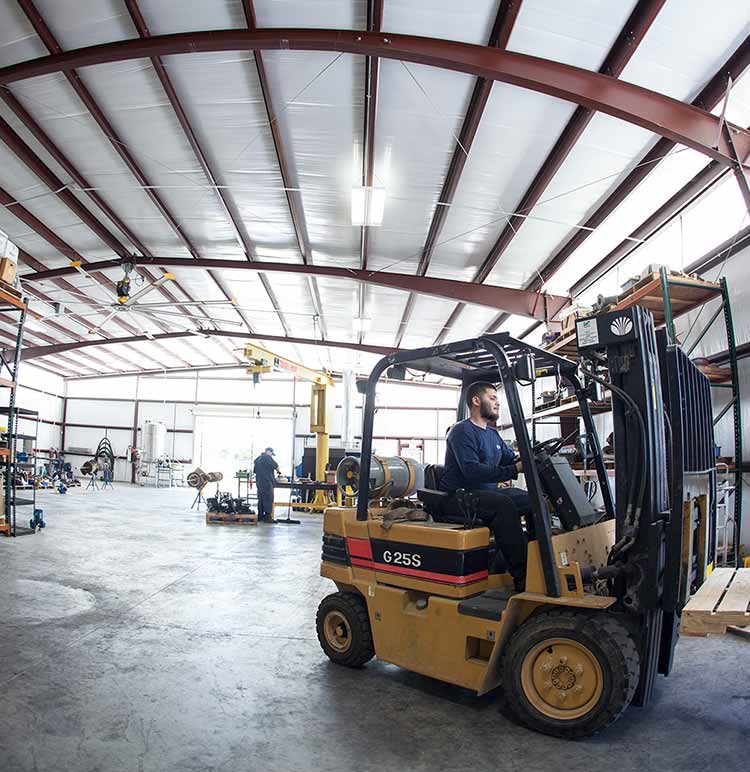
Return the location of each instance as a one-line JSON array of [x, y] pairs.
[[103, 462], [199, 479]]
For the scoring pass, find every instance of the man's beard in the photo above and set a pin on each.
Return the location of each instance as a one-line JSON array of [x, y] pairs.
[[488, 413]]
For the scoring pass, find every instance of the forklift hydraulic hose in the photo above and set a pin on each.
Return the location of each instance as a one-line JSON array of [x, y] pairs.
[[625, 397]]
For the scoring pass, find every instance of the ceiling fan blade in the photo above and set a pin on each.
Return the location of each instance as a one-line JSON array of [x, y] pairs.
[[94, 330], [52, 290], [157, 312], [63, 314], [149, 288], [310, 315], [150, 316], [169, 303]]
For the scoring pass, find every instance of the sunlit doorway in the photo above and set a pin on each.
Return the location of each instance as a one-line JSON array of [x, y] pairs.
[[228, 443]]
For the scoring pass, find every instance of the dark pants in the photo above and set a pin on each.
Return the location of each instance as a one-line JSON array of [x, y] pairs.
[[265, 498], [501, 511]]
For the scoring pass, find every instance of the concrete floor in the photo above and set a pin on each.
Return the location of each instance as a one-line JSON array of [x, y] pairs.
[[134, 637]]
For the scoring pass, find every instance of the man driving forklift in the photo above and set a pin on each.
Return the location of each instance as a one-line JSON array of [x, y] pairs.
[[476, 460]]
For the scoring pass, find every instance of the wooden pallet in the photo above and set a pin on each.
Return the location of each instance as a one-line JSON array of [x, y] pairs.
[[722, 601], [219, 518], [569, 407], [565, 346], [685, 294], [715, 373]]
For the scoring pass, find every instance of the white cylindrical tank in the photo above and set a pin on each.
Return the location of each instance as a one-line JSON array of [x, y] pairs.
[[154, 439], [390, 476]]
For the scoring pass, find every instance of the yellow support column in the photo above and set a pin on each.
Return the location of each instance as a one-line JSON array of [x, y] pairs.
[[320, 426]]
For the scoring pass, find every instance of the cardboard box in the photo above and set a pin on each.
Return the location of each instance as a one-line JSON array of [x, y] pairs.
[[8, 248], [570, 315], [8, 271], [11, 252]]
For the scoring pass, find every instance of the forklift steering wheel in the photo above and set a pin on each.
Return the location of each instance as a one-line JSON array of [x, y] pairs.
[[551, 446]]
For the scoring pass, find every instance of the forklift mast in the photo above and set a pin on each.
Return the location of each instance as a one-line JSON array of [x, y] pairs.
[[662, 432]]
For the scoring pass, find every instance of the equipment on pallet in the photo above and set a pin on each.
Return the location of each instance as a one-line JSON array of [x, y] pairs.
[[228, 504], [600, 613]]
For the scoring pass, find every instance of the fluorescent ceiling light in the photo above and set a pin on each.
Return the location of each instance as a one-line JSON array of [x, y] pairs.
[[362, 324], [368, 205]]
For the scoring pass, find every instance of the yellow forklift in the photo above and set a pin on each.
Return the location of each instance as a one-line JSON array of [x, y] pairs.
[[605, 586]]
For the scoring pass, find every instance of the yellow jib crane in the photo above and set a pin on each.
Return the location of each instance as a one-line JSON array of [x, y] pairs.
[[263, 361]]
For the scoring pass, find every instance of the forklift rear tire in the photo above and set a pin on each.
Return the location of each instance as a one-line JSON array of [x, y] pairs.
[[343, 627], [569, 674]]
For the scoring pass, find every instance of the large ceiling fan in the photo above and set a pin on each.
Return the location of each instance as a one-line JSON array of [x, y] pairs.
[[163, 311]]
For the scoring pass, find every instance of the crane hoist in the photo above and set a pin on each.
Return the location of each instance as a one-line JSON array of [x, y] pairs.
[[261, 361]]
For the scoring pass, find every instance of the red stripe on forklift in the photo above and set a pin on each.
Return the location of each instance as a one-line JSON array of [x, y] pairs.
[[417, 574], [360, 548]]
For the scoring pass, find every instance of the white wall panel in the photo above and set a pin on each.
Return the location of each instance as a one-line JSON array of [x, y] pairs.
[[157, 387], [166, 412], [79, 437], [41, 379], [105, 413], [181, 446], [115, 388]]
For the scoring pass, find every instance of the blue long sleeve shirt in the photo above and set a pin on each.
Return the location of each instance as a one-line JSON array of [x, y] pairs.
[[476, 458]]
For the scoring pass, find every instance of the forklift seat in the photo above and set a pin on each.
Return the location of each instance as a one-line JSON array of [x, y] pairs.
[[432, 475], [439, 504]]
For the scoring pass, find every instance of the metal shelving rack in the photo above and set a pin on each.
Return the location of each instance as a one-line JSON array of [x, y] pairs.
[[667, 297], [12, 303], [14, 465]]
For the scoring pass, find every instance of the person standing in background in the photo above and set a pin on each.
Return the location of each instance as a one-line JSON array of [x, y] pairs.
[[266, 469]]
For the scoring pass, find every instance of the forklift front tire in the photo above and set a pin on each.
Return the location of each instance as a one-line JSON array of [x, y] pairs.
[[343, 627], [569, 674]]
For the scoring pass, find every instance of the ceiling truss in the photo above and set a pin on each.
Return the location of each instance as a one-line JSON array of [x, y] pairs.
[[691, 125]]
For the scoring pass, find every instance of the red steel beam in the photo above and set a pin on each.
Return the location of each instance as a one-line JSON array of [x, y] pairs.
[[372, 73], [712, 93], [224, 200], [27, 156], [706, 179], [652, 111], [504, 22], [33, 352], [638, 24], [699, 185], [709, 97], [52, 238], [24, 153], [68, 334], [182, 118], [531, 304], [719, 254], [28, 334], [630, 37], [293, 194], [50, 42], [32, 262]]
